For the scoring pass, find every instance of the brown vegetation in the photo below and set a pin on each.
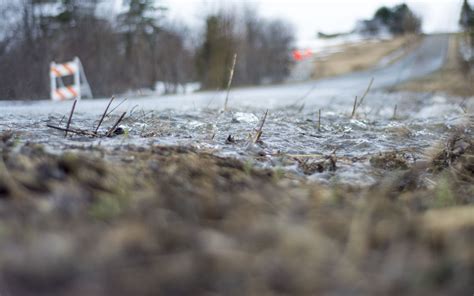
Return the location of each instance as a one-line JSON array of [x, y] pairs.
[[170, 220], [361, 56]]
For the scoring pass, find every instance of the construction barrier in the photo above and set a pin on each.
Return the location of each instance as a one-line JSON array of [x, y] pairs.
[[79, 87]]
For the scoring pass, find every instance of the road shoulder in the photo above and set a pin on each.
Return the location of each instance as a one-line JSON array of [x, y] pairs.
[[451, 79], [363, 56]]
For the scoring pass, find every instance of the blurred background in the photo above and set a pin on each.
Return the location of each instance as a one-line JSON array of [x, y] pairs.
[[180, 46]]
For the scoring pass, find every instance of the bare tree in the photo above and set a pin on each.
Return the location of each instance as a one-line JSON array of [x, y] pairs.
[[174, 58], [263, 47], [134, 50], [216, 51]]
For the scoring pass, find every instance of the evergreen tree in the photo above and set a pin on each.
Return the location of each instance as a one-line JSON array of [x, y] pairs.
[[141, 16], [140, 24], [467, 17], [399, 19], [384, 14], [65, 15]]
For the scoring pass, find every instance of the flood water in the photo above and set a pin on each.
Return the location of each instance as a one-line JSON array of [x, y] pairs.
[[289, 133]]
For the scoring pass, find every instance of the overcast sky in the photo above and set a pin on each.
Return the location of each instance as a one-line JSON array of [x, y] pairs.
[[329, 16]]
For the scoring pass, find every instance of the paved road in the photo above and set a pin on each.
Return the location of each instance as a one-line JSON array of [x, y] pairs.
[[429, 56]]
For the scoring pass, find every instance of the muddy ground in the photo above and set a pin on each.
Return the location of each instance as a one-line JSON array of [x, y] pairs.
[[136, 220]]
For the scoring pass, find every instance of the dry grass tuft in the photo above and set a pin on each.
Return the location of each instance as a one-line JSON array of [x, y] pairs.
[[390, 161]]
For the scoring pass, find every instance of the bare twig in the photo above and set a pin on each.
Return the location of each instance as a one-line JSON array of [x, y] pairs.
[[260, 128], [72, 130], [115, 108], [130, 113], [69, 129], [61, 121], [112, 129], [354, 108], [319, 120], [103, 115], [463, 105], [366, 92], [395, 112], [70, 117], [229, 82]]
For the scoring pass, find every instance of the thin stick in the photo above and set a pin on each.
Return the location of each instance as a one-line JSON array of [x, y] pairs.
[[61, 121], [72, 130], [319, 120], [115, 108], [463, 105], [395, 112], [130, 113], [70, 117], [263, 120], [112, 129], [103, 115], [366, 92], [354, 108], [229, 82], [260, 128]]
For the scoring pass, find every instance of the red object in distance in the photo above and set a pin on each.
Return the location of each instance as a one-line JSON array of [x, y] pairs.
[[299, 55]]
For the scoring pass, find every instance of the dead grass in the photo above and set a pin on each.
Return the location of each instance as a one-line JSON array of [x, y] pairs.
[[452, 79], [175, 221], [359, 56], [389, 161]]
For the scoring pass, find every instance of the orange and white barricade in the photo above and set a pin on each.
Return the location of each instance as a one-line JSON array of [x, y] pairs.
[[79, 87]]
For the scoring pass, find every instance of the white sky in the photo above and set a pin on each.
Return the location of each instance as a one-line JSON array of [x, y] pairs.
[[327, 16]]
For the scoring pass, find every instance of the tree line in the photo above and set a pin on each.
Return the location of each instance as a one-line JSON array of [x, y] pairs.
[[396, 20], [135, 47], [466, 21]]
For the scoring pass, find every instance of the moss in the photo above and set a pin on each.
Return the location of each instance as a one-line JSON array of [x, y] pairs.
[[248, 166], [444, 194], [106, 208]]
